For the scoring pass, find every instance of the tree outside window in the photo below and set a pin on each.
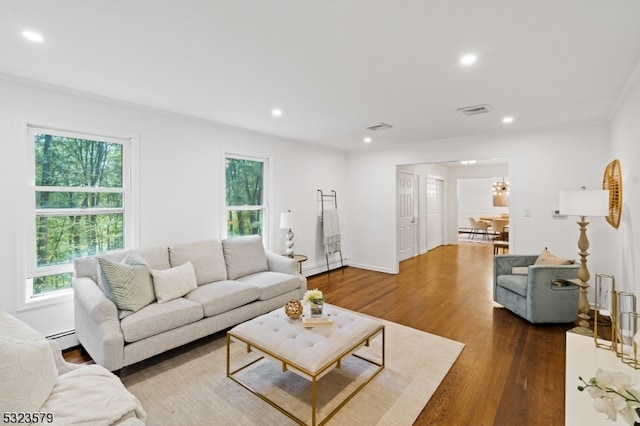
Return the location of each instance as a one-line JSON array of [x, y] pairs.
[[79, 204], [245, 196]]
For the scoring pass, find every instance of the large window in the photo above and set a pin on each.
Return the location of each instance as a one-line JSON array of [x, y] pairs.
[[245, 195], [78, 198]]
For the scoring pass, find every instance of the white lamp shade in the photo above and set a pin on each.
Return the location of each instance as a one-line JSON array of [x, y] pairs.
[[584, 203], [287, 220]]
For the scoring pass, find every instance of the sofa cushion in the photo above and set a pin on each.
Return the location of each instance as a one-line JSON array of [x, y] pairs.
[[206, 257], [244, 256], [223, 296], [514, 283], [28, 373], [157, 257], [159, 317], [272, 284], [175, 282], [128, 284]]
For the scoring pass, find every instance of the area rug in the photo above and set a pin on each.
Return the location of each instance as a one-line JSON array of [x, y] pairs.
[[191, 387], [481, 239]]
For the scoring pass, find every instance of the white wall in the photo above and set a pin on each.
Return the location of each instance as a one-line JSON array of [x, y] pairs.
[[541, 164], [625, 146], [181, 175], [475, 191], [475, 199]]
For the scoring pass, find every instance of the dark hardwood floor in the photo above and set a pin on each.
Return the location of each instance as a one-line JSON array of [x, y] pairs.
[[509, 373]]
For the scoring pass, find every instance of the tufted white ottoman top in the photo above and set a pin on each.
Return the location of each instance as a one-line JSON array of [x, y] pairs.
[[310, 352]]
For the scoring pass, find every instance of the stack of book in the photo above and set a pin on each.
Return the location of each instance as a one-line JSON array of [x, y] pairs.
[[322, 321]]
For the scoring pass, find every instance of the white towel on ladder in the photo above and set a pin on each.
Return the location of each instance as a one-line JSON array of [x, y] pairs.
[[330, 231]]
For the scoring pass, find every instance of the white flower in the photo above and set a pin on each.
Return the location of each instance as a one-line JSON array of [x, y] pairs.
[[613, 394], [314, 296]]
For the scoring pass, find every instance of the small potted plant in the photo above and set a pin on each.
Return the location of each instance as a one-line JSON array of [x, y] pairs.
[[315, 299]]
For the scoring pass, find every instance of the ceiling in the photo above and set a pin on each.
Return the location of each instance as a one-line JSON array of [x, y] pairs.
[[335, 66]]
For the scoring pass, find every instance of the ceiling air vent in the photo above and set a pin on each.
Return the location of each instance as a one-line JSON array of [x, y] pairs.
[[475, 110], [378, 126]]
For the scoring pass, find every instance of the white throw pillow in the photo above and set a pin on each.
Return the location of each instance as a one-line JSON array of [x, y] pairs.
[[520, 270], [175, 282], [28, 373]]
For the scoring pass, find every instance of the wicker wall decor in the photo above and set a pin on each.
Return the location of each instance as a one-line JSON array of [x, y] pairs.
[[613, 182]]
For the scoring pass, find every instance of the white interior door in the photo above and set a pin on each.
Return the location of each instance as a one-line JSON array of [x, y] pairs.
[[407, 223], [435, 212]]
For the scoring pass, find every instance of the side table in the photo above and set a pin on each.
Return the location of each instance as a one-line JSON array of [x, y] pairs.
[[582, 360], [300, 258]]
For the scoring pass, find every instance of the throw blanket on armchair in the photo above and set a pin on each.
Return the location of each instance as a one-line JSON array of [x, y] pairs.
[[73, 405], [330, 231]]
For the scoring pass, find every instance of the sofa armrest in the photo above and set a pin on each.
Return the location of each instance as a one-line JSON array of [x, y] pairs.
[[548, 302], [287, 265], [546, 273], [278, 263], [97, 324], [540, 276], [62, 365]]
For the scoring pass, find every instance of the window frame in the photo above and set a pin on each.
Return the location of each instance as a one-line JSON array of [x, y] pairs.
[[264, 207], [27, 299]]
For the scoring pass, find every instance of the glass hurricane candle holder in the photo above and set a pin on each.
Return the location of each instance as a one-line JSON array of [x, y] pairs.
[[605, 310], [626, 326]]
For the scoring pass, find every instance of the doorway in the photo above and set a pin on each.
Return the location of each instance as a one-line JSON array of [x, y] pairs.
[[407, 215], [435, 212]]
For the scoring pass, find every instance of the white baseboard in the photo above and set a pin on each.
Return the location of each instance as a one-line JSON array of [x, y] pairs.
[[319, 268], [374, 268], [66, 339]]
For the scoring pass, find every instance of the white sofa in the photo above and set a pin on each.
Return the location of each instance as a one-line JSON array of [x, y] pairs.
[[197, 289], [38, 386]]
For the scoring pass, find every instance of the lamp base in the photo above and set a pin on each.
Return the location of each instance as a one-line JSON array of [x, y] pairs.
[[584, 327], [289, 243]]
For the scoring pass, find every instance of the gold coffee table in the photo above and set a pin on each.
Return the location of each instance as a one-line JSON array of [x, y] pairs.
[[277, 337]]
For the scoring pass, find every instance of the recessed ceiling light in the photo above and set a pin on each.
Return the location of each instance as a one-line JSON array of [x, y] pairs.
[[507, 120], [468, 162], [468, 59], [33, 36], [367, 140], [277, 112]]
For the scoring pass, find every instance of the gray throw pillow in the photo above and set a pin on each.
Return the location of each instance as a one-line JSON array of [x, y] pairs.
[[129, 282]]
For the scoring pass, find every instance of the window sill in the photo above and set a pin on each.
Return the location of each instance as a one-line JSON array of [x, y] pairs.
[[57, 297]]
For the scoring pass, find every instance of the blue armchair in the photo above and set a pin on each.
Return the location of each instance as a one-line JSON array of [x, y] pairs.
[[528, 291]]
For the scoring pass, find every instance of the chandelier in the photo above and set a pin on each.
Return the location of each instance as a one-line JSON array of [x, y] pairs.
[[500, 193]]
